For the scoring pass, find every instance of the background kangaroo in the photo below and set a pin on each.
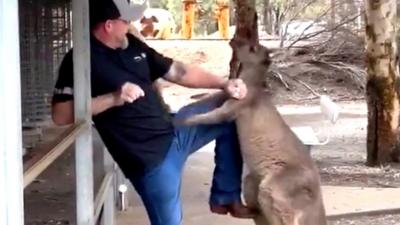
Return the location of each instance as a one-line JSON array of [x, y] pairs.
[[283, 181]]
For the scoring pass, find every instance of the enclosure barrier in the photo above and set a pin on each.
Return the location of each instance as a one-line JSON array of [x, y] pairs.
[[12, 178]]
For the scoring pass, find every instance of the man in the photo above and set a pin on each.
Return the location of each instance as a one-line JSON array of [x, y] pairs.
[[134, 125]]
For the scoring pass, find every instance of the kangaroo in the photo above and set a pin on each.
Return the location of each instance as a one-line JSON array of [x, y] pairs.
[[283, 182]]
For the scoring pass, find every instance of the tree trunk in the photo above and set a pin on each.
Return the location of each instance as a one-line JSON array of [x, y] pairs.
[[278, 20], [344, 13], [382, 82], [360, 8], [268, 19], [332, 21], [246, 28]]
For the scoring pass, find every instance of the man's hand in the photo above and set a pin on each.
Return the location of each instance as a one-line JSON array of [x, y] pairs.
[[236, 88], [129, 92]]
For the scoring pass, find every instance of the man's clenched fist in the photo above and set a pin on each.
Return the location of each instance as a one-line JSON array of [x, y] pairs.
[[129, 92]]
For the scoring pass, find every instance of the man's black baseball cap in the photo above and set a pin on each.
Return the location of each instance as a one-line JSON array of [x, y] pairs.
[[102, 10]]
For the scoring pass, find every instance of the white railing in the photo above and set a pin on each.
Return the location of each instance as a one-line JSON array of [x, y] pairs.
[[11, 188]]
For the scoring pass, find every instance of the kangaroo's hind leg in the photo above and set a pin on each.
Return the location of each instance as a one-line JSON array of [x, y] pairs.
[[275, 204], [250, 194]]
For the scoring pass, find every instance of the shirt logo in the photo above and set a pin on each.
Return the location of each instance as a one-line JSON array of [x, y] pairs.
[[139, 58]]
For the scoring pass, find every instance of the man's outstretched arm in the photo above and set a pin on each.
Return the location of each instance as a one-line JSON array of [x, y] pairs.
[[196, 77]]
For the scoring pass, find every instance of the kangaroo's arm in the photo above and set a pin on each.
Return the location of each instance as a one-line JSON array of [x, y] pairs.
[[227, 112]]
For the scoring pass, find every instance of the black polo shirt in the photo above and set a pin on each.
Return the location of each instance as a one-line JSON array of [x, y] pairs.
[[137, 134]]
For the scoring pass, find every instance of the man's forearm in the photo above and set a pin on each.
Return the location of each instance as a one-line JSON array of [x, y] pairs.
[[102, 103], [194, 77], [199, 78], [63, 112]]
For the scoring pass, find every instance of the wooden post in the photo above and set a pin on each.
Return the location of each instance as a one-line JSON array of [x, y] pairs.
[[82, 112], [109, 203], [189, 7], [11, 188], [223, 17]]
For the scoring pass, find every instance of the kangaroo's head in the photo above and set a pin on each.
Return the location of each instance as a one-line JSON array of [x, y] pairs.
[[253, 54], [255, 60]]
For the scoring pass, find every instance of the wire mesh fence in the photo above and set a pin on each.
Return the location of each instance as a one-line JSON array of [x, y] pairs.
[[45, 37]]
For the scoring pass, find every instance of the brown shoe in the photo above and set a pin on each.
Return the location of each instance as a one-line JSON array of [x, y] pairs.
[[219, 209], [236, 209]]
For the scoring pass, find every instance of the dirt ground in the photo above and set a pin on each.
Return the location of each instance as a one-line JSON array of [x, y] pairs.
[[341, 162]]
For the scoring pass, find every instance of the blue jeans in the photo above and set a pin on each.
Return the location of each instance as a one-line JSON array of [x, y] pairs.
[[160, 187]]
